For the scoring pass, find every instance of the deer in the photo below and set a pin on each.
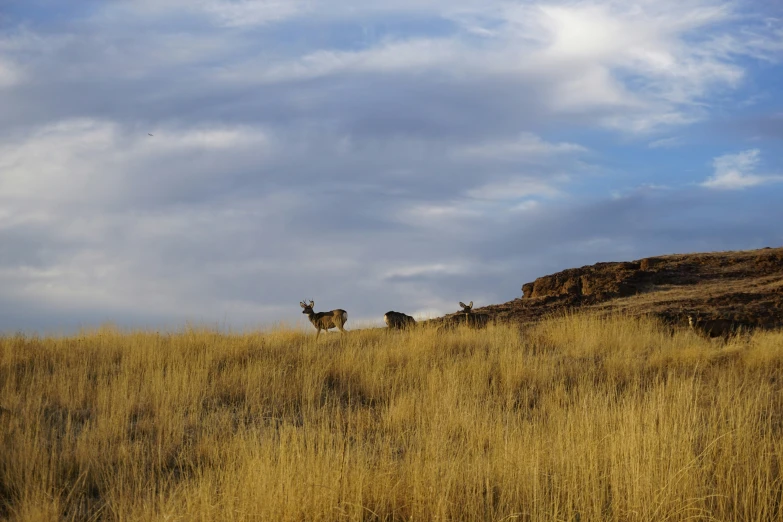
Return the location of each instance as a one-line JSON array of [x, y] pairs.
[[712, 328], [472, 319], [325, 320], [398, 320]]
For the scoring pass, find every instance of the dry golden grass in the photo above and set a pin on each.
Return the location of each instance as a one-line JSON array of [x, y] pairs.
[[578, 418]]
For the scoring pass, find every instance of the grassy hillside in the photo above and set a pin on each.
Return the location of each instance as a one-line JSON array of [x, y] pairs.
[[576, 418]]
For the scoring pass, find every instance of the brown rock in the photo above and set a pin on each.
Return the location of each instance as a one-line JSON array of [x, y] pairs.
[[744, 287], [649, 263]]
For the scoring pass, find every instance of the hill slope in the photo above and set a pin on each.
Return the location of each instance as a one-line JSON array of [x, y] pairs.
[[743, 286]]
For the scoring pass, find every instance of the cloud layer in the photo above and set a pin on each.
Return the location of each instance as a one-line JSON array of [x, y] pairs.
[[401, 155]]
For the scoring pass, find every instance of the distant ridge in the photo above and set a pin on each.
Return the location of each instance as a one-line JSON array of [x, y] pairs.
[[745, 287]]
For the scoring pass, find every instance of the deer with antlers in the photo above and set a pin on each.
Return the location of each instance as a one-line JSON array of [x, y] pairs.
[[325, 320]]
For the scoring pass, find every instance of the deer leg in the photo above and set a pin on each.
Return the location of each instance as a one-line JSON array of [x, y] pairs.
[[317, 334]]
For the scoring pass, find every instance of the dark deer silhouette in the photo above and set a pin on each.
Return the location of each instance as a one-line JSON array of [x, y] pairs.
[[712, 328], [325, 320], [471, 318], [398, 320]]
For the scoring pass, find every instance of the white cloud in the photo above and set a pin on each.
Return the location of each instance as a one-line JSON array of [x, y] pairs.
[[526, 206], [9, 74], [594, 87], [116, 54], [525, 146], [80, 160], [736, 171], [240, 13], [229, 13], [639, 67], [217, 138], [666, 143], [390, 56], [443, 216], [642, 122], [60, 161], [516, 188], [426, 270], [634, 68], [640, 57], [104, 279]]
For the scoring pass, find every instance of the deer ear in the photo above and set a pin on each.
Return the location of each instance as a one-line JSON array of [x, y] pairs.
[[301, 303], [312, 304], [471, 304], [463, 305]]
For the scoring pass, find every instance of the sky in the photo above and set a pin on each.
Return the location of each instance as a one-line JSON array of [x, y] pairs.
[[215, 162]]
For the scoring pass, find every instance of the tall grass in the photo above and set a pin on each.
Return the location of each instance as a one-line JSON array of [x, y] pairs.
[[577, 418]]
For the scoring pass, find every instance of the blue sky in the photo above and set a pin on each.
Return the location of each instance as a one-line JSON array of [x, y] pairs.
[[371, 156]]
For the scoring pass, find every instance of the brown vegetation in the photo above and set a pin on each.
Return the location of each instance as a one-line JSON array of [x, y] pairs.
[[579, 417]]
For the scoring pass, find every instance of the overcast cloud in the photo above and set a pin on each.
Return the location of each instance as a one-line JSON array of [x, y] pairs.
[[369, 155]]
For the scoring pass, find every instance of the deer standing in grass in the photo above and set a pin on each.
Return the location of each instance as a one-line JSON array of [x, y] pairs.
[[398, 320], [712, 328], [472, 319], [325, 320]]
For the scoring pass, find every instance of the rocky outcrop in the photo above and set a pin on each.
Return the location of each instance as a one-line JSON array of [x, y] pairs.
[[744, 287], [602, 281]]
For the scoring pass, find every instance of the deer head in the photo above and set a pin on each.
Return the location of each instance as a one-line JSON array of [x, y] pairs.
[[466, 307]]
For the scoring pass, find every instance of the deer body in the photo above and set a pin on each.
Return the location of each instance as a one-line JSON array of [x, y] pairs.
[[325, 320], [398, 320], [712, 327]]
